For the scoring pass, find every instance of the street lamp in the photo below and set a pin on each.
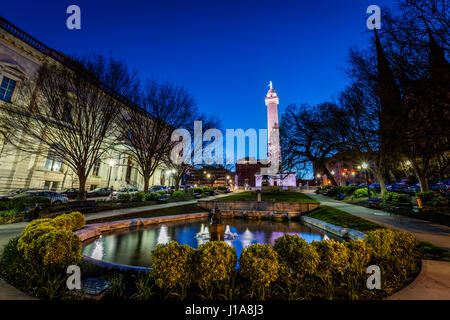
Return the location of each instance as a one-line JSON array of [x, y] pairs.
[[365, 166], [111, 163]]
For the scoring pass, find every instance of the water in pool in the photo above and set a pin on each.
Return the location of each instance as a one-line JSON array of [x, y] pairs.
[[135, 247]]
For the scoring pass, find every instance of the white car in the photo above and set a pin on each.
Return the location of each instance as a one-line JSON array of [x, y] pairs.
[[115, 194]]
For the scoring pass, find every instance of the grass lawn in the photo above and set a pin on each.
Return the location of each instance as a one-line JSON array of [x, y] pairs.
[[189, 208], [283, 196], [343, 219]]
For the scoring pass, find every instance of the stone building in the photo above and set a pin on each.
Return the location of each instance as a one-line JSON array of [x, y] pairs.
[[21, 55]]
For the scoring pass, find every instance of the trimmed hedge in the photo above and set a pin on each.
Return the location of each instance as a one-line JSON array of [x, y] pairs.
[[433, 199]]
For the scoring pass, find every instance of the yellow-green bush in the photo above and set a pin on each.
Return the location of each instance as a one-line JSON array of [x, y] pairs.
[[70, 221], [259, 264], [51, 242], [217, 261], [300, 258], [58, 248], [381, 242], [32, 232], [172, 266], [359, 255], [333, 264], [393, 252]]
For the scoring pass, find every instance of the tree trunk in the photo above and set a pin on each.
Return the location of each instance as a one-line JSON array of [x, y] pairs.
[[146, 182], [328, 173], [381, 181], [420, 175], [82, 186]]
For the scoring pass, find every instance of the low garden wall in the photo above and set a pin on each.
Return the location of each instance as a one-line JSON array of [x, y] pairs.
[[291, 207], [333, 229]]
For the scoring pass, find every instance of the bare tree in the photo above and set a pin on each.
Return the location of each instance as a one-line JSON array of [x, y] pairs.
[[148, 130], [68, 114], [312, 134], [180, 166]]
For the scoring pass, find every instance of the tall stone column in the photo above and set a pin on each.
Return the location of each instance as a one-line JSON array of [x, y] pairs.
[[272, 102]]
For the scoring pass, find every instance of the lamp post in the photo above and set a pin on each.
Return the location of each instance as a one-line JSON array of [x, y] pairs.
[[318, 177], [111, 163], [365, 166]]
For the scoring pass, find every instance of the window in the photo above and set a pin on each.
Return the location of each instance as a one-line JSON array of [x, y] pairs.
[[53, 162], [51, 185], [96, 168], [7, 88]]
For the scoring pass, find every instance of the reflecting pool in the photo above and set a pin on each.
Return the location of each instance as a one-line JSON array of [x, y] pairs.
[[134, 247]]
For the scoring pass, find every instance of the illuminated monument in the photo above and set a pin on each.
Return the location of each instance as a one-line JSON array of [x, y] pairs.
[[273, 175]]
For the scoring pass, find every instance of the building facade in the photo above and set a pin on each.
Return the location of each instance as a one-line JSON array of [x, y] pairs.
[[21, 56]]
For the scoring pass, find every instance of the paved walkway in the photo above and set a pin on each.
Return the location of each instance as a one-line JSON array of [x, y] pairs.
[[433, 283], [422, 230], [119, 212]]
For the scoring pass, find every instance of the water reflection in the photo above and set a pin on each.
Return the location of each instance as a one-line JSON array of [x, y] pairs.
[[135, 247]]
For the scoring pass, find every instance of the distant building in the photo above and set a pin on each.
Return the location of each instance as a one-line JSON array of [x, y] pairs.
[[246, 169], [344, 168], [21, 56], [213, 176]]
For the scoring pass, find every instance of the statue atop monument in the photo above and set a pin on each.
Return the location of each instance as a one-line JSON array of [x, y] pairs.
[[270, 85]]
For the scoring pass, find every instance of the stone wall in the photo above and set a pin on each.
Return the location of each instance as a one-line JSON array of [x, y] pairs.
[[294, 207]]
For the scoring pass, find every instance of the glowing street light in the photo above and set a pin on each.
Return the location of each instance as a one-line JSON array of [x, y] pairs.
[[332, 172], [364, 165], [111, 163]]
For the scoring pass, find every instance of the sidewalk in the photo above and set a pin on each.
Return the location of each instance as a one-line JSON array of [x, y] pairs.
[[118, 212], [423, 230], [433, 283]]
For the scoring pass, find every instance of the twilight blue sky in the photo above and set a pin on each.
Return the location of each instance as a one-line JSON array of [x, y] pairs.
[[223, 52]]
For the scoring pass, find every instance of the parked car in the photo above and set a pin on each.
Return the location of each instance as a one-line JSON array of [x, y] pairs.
[[55, 197], [159, 188], [100, 192], [115, 194], [72, 193], [16, 192], [399, 188]]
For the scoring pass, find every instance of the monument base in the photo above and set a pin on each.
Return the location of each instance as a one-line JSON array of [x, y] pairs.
[[217, 232], [279, 181]]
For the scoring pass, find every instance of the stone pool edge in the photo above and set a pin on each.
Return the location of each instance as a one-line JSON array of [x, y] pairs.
[[97, 229], [333, 229]]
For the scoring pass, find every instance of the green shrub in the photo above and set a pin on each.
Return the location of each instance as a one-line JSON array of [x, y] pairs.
[[362, 193], [348, 190], [395, 198], [359, 255], [50, 243], [125, 197], [57, 249], [300, 257], [137, 197], [333, 264], [198, 190], [161, 192], [149, 196], [393, 252], [70, 221], [216, 263], [178, 194], [20, 203], [433, 199], [172, 266], [9, 213], [259, 264]]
